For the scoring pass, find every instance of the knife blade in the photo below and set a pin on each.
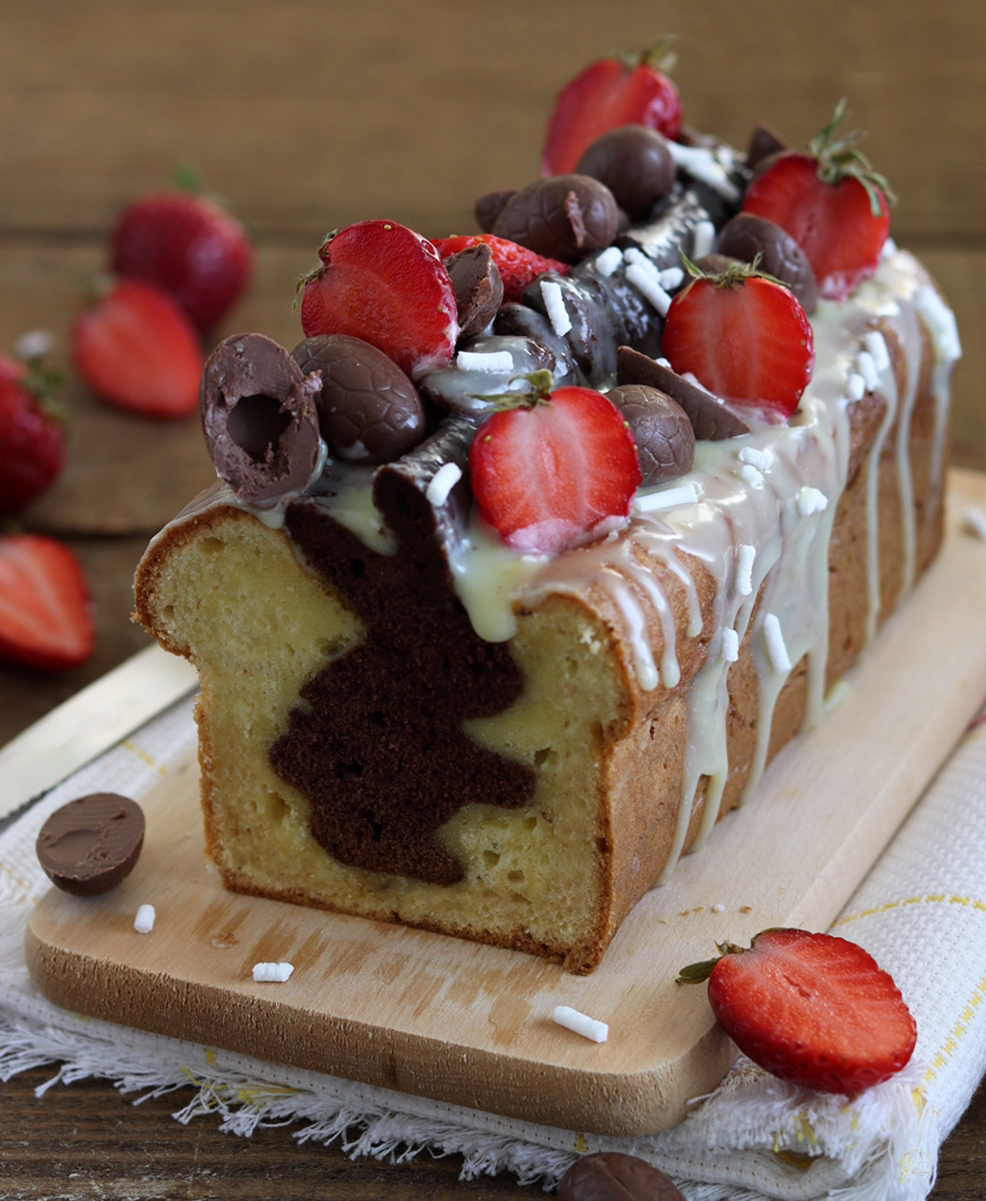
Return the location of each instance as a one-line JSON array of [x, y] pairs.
[[90, 722]]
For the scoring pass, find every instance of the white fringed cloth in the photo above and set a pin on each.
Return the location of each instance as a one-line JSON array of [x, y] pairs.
[[921, 912]]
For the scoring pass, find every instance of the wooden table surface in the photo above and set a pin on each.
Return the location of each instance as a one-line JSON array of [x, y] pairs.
[[306, 116]]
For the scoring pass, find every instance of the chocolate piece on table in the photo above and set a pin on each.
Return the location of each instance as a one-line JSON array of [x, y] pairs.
[[634, 163], [712, 419], [613, 1176], [487, 208], [259, 418], [368, 410], [91, 844], [765, 142], [562, 217], [746, 235], [664, 435], [478, 288]]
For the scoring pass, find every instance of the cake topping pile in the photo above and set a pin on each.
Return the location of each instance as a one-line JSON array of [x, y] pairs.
[[661, 281]]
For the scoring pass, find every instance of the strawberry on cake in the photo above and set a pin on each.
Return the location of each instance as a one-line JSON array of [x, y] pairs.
[[528, 558]]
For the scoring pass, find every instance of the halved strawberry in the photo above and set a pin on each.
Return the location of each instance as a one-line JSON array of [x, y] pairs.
[[627, 90], [545, 473], [45, 614], [517, 265], [137, 350], [832, 203], [743, 336], [386, 284], [810, 1008]]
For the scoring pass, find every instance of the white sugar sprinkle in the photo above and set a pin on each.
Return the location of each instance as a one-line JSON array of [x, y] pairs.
[[867, 369], [477, 360], [745, 556], [646, 283], [974, 521], [144, 919], [753, 477], [940, 321], [758, 458], [671, 278], [729, 651], [855, 386], [718, 908], [663, 363], [703, 238], [588, 1027], [701, 164], [876, 344], [665, 498], [442, 483], [561, 323], [636, 258], [609, 260], [272, 973], [780, 660], [811, 500]]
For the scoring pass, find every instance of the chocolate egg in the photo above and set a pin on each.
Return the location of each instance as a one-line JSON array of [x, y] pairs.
[[634, 163], [368, 410], [562, 217], [746, 236], [664, 435]]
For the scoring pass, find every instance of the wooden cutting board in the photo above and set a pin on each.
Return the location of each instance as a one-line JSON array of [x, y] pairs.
[[472, 1025]]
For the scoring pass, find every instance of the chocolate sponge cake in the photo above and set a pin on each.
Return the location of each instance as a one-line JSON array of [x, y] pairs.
[[500, 702]]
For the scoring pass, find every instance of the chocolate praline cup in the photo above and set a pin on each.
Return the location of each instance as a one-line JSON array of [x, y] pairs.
[[91, 845]]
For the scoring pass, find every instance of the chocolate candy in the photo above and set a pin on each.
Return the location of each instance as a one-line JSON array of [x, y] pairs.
[[487, 208], [259, 419], [562, 217], [746, 235], [664, 435], [634, 163], [368, 409], [765, 143], [612, 1176], [714, 264], [478, 288], [91, 844], [712, 419]]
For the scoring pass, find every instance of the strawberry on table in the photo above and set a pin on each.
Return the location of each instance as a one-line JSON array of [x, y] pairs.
[[743, 336], [45, 614], [614, 91], [834, 205], [32, 443], [547, 471], [810, 1008], [190, 247], [517, 265], [386, 284], [137, 350]]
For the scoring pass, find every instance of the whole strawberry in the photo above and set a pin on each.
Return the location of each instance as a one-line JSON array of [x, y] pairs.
[[137, 350], [32, 440], [45, 613], [609, 93], [546, 471], [744, 336], [517, 265], [810, 1008], [834, 205], [187, 245]]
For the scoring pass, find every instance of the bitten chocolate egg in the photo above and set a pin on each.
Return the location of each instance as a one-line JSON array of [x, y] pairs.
[[562, 217], [746, 236], [478, 288], [664, 435], [368, 409], [634, 163], [91, 844], [259, 419]]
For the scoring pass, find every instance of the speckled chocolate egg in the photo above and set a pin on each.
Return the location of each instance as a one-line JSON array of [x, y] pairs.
[[664, 435], [634, 163], [746, 235], [562, 217], [368, 410]]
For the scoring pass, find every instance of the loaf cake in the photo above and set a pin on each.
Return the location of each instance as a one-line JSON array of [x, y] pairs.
[[419, 710]]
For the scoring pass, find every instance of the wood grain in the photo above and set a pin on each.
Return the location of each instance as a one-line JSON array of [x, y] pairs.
[[305, 116]]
